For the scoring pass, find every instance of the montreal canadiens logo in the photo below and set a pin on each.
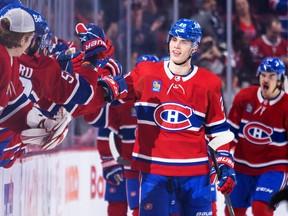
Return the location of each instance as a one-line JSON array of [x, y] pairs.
[[257, 133], [173, 116]]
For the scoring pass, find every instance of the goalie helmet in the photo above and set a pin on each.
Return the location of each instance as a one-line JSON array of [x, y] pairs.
[[142, 58], [187, 29], [272, 65]]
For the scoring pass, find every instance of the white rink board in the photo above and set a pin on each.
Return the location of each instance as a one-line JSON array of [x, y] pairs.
[[68, 183]]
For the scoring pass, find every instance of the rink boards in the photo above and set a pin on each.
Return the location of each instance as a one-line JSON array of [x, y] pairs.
[[66, 183]]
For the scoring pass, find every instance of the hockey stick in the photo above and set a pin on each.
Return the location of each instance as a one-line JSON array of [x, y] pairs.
[[115, 152], [213, 145]]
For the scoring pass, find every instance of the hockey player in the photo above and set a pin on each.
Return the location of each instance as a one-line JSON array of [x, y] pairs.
[[177, 104], [259, 120], [40, 73], [115, 189], [122, 121], [16, 32]]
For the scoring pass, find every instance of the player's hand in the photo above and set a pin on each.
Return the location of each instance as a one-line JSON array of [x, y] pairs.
[[92, 38], [112, 172], [57, 45], [70, 60], [115, 87], [227, 174], [109, 67]]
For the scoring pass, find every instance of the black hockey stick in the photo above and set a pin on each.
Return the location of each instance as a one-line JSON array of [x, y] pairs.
[[213, 145]]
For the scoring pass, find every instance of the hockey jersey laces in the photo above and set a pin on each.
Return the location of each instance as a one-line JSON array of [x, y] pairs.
[[176, 86]]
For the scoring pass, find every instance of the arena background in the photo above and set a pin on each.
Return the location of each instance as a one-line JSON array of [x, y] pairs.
[[67, 181]]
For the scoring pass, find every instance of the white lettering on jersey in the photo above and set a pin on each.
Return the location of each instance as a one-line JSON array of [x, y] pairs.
[[25, 71], [66, 76]]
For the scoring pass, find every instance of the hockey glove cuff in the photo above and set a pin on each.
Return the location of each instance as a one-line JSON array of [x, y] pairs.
[[115, 87], [112, 172]]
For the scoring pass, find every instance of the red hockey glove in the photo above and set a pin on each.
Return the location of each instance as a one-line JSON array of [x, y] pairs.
[[77, 62], [109, 52], [110, 68], [227, 173], [93, 39], [112, 171], [115, 87]]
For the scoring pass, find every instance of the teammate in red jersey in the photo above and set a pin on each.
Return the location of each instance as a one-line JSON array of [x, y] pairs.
[[259, 120], [39, 73], [17, 112], [122, 121], [177, 104]]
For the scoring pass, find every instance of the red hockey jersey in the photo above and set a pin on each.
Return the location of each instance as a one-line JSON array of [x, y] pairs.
[[261, 131], [174, 113], [14, 105]]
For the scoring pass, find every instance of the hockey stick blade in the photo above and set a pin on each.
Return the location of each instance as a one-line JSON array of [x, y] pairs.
[[214, 144], [114, 151], [221, 140]]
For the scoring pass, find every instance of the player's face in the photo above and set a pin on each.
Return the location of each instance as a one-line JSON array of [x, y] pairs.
[[180, 49], [268, 83]]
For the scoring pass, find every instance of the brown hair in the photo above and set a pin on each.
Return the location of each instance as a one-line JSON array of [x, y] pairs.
[[9, 38]]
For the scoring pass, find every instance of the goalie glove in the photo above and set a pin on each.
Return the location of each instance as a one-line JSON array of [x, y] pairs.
[[46, 132], [112, 171], [227, 174], [115, 87]]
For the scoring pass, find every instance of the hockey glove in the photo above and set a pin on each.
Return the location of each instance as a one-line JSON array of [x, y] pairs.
[[93, 40], [66, 57], [57, 45], [112, 171], [227, 174], [109, 68], [115, 87], [46, 132]]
